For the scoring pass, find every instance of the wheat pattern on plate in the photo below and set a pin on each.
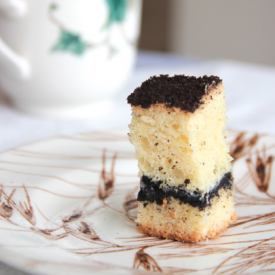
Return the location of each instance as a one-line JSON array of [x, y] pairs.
[[69, 204]]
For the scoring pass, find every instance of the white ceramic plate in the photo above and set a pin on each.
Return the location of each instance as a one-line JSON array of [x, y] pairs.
[[68, 207]]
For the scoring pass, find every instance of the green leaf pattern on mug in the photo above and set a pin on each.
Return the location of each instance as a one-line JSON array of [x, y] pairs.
[[70, 42], [53, 6], [73, 43], [117, 11]]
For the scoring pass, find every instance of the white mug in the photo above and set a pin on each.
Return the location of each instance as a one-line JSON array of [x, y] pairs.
[[66, 58]]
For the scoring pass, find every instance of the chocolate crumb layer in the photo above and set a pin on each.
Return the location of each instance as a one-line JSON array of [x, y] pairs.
[[181, 91], [152, 191]]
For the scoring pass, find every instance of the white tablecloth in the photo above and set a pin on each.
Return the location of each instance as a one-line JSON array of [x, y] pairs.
[[250, 99]]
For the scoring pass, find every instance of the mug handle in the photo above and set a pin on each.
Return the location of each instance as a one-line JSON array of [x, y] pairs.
[[13, 8], [9, 59]]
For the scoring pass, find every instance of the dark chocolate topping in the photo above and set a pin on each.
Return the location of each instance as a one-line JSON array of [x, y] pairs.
[[152, 192], [181, 91]]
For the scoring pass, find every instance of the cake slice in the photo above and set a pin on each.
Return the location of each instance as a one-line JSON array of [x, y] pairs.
[[178, 130]]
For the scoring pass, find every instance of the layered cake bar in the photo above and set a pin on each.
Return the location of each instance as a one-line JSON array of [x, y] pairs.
[[178, 130]]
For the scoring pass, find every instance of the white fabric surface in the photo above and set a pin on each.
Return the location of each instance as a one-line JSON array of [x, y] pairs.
[[250, 99]]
